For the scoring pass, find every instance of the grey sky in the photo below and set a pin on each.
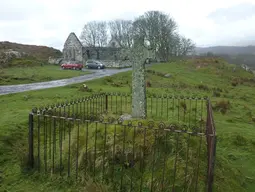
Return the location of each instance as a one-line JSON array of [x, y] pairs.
[[48, 22]]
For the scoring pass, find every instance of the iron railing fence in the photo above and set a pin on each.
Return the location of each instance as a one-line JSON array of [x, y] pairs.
[[87, 138], [179, 110]]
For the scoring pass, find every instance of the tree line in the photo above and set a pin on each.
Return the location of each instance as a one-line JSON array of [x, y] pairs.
[[154, 29]]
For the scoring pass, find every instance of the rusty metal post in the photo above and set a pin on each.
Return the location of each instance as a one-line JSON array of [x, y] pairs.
[[211, 147], [106, 102], [213, 163], [31, 141]]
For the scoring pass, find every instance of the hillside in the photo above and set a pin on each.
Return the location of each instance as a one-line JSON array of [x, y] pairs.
[[230, 50], [14, 54], [40, 52], [232, 54]]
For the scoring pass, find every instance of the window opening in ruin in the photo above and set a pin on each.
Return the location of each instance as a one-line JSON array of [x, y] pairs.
[[98, 55], [88, 54]]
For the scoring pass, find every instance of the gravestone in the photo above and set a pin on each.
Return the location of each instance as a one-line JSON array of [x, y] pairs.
[[139, 103]]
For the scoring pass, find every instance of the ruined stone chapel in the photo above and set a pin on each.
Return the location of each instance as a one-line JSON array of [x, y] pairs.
[[75, 52]]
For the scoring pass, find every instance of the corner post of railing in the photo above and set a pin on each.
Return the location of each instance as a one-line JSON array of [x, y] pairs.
[[214, 142], [31, 141], [211, 147]]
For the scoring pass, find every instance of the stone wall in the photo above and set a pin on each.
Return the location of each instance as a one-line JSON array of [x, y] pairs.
[[55, 61], [116, 64], [101, 53]]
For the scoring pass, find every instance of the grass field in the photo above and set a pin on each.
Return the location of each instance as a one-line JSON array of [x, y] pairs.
[[23, 75], [232, 94]]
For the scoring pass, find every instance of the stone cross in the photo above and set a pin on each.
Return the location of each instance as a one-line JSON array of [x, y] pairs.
[[139, 103]]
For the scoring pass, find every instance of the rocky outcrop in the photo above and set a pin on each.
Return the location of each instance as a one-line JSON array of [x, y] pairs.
[[245, 67], [7, 55], [55, 61]]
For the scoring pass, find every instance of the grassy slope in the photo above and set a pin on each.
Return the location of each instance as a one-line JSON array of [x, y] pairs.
[[21, 75], [235, 149]]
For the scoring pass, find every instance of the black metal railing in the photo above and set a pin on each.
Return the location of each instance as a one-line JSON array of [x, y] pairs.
[[172, 150], [188, 111]]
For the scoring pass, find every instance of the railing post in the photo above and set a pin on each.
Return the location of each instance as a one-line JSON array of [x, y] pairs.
[[213, 162], [31, 141], [211, 147], [106, 102]]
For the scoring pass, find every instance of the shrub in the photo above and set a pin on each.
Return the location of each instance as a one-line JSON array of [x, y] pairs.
[[160, 74], [108, 79], [222, 106], [237, 81], [203, 87], [84, 88], [240, 140], [234, 83], [217, 89], [216, 94], [150, 71], [116, 84], [148, 84]]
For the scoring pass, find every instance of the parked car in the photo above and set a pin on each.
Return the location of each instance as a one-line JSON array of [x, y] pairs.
[[72, 66], [92, 64]]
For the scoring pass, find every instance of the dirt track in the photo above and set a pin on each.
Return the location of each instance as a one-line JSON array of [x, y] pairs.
[[7, 89]]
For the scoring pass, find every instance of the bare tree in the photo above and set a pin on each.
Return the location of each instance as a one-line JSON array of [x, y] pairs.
[[88, 35], [102, 36], [121, 30], [154, 29], [186, 46], [157, 28], [174, 45], [94, 34], [140, 32]]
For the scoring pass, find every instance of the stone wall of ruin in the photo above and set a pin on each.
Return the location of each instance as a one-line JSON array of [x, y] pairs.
[[101, 53], [73, 49], [117, 64]]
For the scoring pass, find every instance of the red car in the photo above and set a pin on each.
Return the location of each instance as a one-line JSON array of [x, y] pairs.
[[72, 66]]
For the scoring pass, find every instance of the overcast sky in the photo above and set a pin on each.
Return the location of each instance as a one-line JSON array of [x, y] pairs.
[[49, 22]]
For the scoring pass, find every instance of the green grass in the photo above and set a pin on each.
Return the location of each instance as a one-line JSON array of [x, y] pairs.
[[23, 75], [235, 167]]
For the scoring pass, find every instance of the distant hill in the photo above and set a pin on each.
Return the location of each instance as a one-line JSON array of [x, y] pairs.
[[233, 54], [229, 50], [39, 52]]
